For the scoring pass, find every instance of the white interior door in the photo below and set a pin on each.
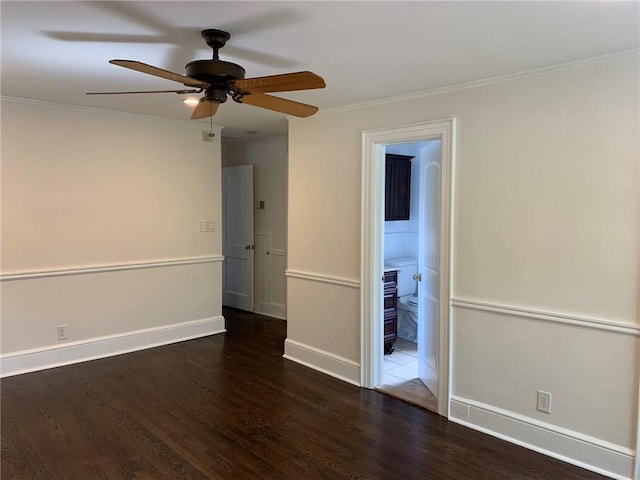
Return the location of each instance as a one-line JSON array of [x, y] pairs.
[[429, 273], [237, 237]]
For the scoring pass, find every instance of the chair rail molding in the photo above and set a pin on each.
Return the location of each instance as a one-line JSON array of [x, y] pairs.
[[548, 316], [321, 278], [88, 269]]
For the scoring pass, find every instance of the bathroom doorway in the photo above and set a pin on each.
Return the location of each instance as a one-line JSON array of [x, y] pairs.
[[410, 255], [433, 144]]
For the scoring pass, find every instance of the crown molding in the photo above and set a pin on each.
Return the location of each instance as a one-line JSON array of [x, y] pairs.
[[80, 108], [481, 83]]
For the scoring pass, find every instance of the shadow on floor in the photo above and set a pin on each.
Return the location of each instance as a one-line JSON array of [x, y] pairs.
[[400, 378]]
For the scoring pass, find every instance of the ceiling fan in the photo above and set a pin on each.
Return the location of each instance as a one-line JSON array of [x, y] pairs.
[[219, 79]]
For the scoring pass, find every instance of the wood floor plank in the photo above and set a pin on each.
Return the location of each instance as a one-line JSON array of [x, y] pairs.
[[230, 407]]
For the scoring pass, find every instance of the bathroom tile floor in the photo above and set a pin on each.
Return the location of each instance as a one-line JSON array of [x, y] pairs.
[[400, 377]]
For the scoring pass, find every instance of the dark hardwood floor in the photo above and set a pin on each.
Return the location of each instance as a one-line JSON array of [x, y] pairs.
[[230, 407]]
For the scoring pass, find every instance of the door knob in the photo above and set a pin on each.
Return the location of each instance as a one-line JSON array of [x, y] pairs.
[[417, 277]]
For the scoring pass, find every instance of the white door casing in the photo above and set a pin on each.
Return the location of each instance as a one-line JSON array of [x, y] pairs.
[[372, 228], [237, 237]]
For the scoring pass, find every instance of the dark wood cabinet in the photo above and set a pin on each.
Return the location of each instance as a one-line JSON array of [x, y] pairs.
[[397, 193], [390, 310]]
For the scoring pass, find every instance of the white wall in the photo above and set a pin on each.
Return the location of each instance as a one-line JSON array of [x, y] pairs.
[[100, 217], [545, 252], [269, 157]]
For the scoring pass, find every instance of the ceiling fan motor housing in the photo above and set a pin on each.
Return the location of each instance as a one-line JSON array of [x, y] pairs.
[[216, 73]]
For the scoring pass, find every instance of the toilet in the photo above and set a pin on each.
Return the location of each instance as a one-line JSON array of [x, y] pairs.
[[407, 267]]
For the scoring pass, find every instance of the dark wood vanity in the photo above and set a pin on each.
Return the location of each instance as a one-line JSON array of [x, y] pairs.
[[390, 310]]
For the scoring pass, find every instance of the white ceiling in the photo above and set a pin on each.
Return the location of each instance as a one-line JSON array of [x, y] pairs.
[[56, 51]]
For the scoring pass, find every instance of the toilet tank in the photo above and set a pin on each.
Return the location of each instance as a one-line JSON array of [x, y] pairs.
[[407, 267]]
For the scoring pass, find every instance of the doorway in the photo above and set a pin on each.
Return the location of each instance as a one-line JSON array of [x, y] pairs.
[[410, 256], [436, 307]]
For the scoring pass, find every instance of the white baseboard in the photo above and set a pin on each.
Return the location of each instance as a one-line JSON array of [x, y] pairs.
[[275, 310], [322, 361], [572, 447], [26, 361]]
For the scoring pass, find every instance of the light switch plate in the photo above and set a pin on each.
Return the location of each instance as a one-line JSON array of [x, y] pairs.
[[207, 136], [207, 226]]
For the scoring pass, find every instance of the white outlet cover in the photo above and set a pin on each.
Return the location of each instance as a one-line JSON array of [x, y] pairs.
[[544, 401], [61, 332]]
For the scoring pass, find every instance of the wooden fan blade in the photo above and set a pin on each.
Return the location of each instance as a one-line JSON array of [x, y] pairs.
[[159, 72], [204, 109], [286, 82], [278, 104], [145, 91]]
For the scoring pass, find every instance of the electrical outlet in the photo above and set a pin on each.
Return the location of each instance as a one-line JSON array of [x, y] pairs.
[[544, 401], [62, 332]]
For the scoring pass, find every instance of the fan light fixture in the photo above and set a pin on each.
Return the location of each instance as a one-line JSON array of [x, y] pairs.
[[191, 101]]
